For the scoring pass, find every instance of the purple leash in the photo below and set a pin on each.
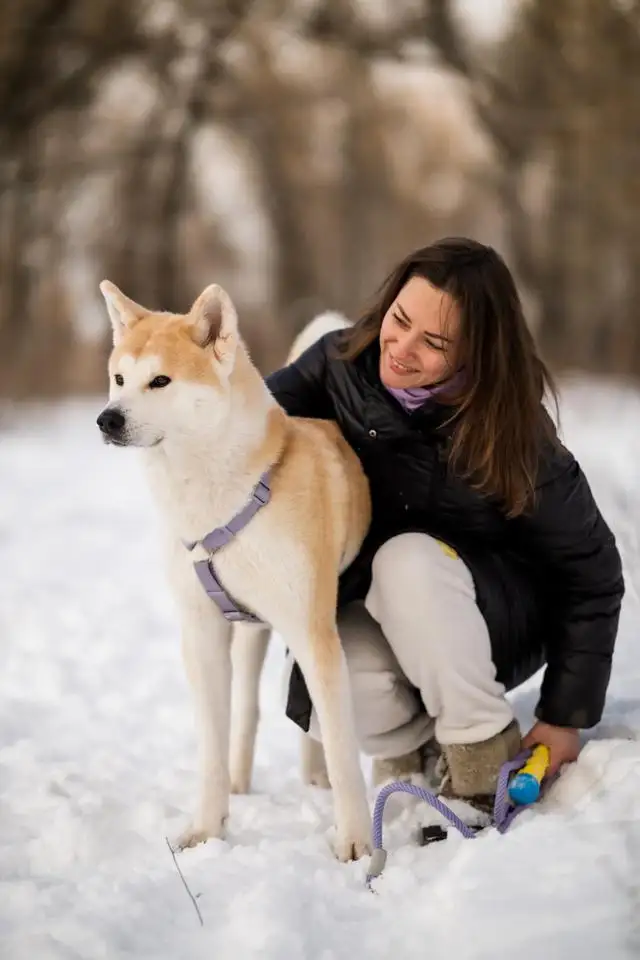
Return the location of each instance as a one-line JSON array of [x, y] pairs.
[[503, 811]]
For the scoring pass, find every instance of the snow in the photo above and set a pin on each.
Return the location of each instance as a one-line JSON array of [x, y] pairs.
[[97, 755]]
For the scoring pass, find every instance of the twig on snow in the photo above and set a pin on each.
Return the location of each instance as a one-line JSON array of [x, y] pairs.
[[186, 886]]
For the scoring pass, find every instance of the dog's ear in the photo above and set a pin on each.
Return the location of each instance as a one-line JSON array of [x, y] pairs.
[[215, 322], [123, 312]]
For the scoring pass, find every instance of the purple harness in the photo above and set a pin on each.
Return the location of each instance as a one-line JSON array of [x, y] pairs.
[[217, 539]]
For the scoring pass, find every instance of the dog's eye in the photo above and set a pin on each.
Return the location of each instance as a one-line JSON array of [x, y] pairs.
[[158, 382], [119, 379]]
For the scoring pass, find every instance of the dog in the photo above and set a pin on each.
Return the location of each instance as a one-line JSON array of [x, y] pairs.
[[250, 642], [184, 389]]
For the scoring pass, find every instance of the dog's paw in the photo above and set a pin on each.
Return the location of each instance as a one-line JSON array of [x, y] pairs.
[[198, 833], [352, 844]]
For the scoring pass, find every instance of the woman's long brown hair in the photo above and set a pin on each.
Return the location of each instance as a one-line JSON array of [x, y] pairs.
[[499, 420]]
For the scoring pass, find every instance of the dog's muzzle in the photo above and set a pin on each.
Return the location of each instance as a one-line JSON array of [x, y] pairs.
[[112, 424]]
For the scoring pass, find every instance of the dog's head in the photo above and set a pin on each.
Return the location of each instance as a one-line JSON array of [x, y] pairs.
[[167, 371]]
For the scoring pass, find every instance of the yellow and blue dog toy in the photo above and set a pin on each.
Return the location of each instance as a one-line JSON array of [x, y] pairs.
[[525, 785]]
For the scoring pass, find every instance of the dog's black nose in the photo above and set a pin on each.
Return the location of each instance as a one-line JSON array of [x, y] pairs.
[[111, 421]]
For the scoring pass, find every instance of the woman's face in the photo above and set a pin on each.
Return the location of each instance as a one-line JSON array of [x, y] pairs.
[[417, 337]]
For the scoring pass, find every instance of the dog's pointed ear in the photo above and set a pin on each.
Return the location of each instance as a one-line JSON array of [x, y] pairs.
[[123, 312], [215, 322]]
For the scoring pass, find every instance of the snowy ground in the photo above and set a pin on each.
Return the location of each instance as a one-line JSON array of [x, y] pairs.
[[97, 756]]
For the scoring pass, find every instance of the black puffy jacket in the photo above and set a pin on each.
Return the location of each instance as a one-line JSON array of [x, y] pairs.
[[549, 583]]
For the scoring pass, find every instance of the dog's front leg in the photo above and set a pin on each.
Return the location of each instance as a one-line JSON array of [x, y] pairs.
[[248, 650], [324, 667], [206, 642]]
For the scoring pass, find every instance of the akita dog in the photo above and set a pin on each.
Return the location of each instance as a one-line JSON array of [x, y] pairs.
[[218, 448]]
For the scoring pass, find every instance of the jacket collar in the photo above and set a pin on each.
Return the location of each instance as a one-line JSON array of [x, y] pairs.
[[383, 412]]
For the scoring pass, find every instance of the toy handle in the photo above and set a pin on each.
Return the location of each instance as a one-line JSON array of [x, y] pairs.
[[525, 785]]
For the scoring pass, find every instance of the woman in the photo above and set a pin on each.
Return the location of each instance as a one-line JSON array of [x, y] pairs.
[[487, 556]]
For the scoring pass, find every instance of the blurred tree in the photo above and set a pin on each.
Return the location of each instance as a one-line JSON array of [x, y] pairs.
[[52, 56], [559, 100], [294, 150]]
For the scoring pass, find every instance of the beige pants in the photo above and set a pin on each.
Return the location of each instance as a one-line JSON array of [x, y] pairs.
[[418, 653]]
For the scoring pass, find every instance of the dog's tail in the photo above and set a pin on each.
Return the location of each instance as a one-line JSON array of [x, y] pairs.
[[324, 323]]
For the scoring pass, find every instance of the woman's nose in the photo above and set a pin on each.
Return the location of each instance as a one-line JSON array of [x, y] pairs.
[[406, 343]]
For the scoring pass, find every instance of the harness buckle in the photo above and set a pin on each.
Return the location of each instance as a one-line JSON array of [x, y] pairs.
[[220, 537], [261, 493]]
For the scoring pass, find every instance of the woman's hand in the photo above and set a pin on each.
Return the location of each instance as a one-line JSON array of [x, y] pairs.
[[563, 744]]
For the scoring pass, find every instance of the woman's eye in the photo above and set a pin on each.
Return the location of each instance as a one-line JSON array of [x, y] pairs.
[[158, 382], [400, 320], [119, 379]]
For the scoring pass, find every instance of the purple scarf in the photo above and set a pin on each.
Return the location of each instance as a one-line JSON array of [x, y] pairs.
[[413, 397]]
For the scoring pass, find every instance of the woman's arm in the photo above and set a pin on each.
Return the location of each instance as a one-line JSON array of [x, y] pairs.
[[577, 552], [301, 387]]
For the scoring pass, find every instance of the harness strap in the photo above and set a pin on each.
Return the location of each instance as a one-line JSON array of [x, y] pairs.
[[218, 538], [221, 536], [229, 607]]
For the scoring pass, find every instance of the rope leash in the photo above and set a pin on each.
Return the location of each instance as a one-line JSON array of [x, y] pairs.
[[504, 812]]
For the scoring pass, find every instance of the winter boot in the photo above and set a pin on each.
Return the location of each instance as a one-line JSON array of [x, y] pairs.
[[470, 779], [473, 768], [418, 767]]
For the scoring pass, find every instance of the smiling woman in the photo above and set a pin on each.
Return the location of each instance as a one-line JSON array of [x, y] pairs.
[[417, 337], [449, 321], [487, 555]]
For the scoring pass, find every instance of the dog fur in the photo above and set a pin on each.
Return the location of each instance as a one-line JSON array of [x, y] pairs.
[[207, 435], [250, 644]]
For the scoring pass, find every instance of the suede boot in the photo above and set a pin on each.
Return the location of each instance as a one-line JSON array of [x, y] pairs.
[[470, 777], [473, 768], [418, 766]]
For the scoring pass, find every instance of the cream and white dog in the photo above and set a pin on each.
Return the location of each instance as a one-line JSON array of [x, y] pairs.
[[183, 388]]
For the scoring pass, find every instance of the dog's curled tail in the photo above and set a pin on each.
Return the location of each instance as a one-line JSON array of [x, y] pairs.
[[325, 322]]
